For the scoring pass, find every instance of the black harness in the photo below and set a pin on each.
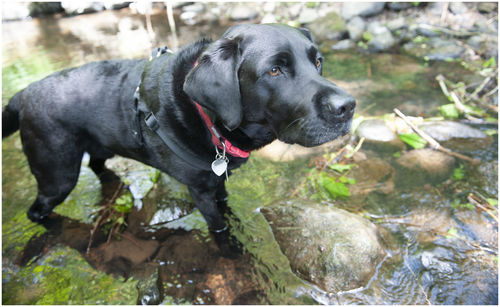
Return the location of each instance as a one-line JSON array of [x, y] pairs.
[[153, 124]]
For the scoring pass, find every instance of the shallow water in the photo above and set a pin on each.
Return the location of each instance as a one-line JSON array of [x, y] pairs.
[[178, 262]]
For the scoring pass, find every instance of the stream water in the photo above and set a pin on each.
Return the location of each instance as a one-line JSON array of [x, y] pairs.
[[441, 253]]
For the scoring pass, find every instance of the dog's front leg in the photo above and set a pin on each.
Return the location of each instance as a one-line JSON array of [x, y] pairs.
[[212, 203]]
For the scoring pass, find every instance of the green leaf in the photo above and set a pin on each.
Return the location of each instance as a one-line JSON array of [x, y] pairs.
[[341, 167], [458, 173], [413, 139], [397, 154], [347, 180], [490, 63], [449, 111], [334, 189], [492, 201], [452, 233]]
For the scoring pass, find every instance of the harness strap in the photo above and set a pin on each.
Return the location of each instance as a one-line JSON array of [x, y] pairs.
[[154, 125]]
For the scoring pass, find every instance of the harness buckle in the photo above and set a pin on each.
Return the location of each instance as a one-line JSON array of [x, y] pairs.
[[151, 121]]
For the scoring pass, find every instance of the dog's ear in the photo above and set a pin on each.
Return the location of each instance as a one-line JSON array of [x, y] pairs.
[[214, 83], [307, 34]]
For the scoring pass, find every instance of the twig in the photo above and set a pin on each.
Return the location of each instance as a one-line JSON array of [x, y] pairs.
[[477, 202], [432, 142], [101, 218], [171, 23]]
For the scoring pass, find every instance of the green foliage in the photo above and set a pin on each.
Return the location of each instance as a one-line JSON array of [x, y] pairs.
[[413, 139], [449, 111], [458, 173], [335, 189], [341, 167], [367, 36], [492, 201], [457, 205], [124, 203], [452, 233], [491, 63]]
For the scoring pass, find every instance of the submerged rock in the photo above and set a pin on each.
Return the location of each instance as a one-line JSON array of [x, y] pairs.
[[329, 247], [372, 175], [379, 136], [365, 9], [424, 166], [447, 130], [435, 49]]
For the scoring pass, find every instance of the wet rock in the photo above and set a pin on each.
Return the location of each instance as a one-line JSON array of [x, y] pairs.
[[378, 136], [307, 16], [119, 255], [458, 8], [446, 130], [435, 49], [344, 44], [372, 175], [243, 12], [279, 151], [382, 38], [77, 7], [329, 27], [44, 8], [426, 30], [436, 8], [167, 201], [355, 27], [329, 247], [147, 287], [489, 173], [397, 23], [268, 18], [399, 6], [365, 9], [487, 7], [424, 166], [14, 10]]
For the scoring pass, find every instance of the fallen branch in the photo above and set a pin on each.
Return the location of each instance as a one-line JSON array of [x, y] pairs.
[[432, 142], [476, 201]]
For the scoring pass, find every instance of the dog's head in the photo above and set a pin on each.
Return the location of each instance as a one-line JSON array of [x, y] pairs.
[[271, 75]]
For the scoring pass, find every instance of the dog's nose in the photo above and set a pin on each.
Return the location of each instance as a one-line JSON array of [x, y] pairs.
[[341, 106]]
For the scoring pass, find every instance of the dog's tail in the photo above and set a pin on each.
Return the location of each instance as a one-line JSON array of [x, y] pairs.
[[10, 116]]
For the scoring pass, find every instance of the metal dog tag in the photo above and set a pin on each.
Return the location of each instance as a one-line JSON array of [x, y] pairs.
[[219, 166]]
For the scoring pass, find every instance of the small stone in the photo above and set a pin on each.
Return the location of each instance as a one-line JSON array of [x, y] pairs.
[[344, 44], [307, 16], [424, 165], [458, 8], [365, 9], [396, 24], [378, 136], [399, 6], [487, 7], [355, 27], [243, 12]]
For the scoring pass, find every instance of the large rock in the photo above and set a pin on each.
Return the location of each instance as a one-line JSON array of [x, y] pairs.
[[365, 9], [378, 136], [329, 247], [447, 130], [436, 49], [382, 38], [425, 165], [329, 27]]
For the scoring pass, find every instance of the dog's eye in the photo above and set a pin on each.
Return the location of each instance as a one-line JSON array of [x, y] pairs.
[[274, 71], [318, 63]]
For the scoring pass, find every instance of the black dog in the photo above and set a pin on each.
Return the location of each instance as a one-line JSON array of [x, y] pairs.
[[256, 84]]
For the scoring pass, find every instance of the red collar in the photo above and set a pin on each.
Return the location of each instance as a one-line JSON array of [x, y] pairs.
[[217, 138]]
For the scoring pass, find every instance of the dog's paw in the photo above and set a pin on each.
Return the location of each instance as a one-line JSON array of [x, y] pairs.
[[229, 246]]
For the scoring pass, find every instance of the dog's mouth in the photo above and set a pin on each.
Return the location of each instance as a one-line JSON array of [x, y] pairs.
[[314, 132]]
